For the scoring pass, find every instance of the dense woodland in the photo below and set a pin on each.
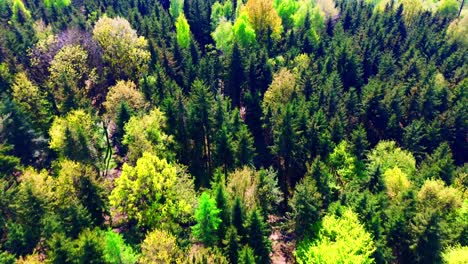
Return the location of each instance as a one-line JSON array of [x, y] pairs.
[[255, 131]]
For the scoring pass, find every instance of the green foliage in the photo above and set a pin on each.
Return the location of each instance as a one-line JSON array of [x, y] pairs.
[[223, 36], [341, 239], [268, 192], [386, 155], [219, 12], [147, 194], [20, 12], [258, 238], [159, 247], [306, 205], [183, 31], [208, 220], [124, 52], [146, 134], [176, 8], [116, 251], [57, 3], [243, 32], [246, 256]]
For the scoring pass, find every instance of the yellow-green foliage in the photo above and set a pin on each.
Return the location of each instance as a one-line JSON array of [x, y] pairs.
[[57, 3], [76, 121], [396, 182], [147, 193], [341, 239], [243, 31], [123, 91], [223, 36], [160, 246], [455, 255], [263, 16], [386, 155], [18, 6], [280, 91], [28, 96], [123, 50], [183, 31], [145, 134], [69, 73]]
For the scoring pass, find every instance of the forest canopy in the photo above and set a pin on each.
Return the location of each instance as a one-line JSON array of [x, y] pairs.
[[233, 131]]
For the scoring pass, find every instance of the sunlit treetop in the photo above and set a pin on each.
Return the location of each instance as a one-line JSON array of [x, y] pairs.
[[57, 3], [183, 31]]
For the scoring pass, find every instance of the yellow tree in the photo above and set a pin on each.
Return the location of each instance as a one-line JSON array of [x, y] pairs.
[[123, 91], [264, 18]]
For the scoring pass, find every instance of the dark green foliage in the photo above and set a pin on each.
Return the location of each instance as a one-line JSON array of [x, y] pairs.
[[364, 72], [232, 247], [238, 218], [258, 238]]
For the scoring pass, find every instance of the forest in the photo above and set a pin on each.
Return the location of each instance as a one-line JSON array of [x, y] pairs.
[[233, 131]]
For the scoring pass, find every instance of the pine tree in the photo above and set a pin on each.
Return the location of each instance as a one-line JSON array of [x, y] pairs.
[[258, 238], [236, 76], [238, 218], [225, 213], [232, 248]]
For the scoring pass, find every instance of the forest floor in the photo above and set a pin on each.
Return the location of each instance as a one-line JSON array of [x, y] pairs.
[[282, 243]]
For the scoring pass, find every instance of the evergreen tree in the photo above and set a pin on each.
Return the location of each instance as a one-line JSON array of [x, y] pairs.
[[208, 220], [232, 248], [258, 238], [225, 213], [238, 218], [235, 76]]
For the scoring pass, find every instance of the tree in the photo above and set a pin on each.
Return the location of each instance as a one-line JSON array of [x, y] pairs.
[[160, 247], [77, 137], [28, 96], [280, 91], [70, 78], [264, 18], [258, 238], [246, 256], [268, 193], [439, 165], [148, 194], [455, 255], [243, 32], [223, 36], [387, 155], [89, 247], [224, 211], [182, 31], [232, 247], [124, 53], [146, 134], [208, 220], [238, 217], [341, 239], [116, 251], [123, 92], [396, 182], [236, 76], [306, 205], [201, 123]]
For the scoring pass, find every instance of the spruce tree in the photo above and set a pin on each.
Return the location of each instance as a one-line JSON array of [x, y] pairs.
[[236, 76], [258, 238]]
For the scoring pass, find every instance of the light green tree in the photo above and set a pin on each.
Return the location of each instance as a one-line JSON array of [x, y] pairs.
[[208, 220], [148, 194], [341, 239], [124, 52], [182, 31], [146, 134]]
